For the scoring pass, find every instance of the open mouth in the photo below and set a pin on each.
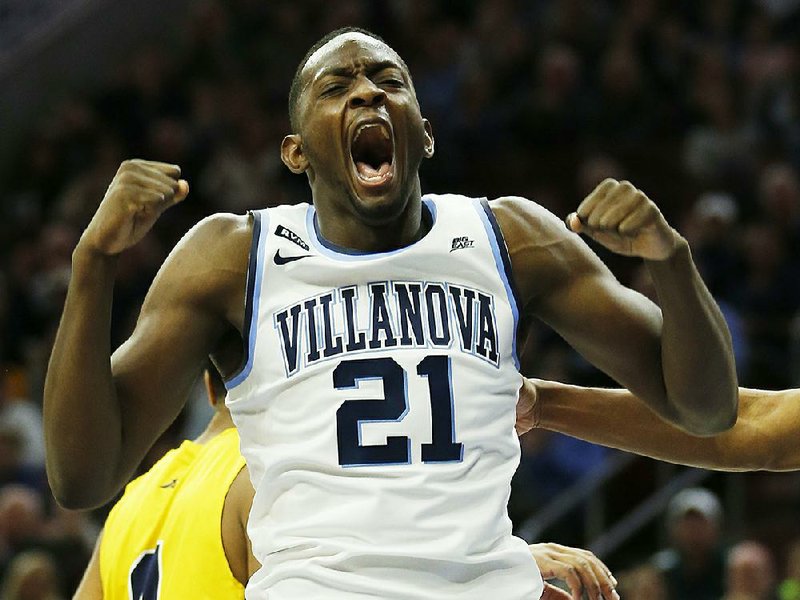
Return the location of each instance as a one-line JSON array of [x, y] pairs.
[[372, 151]]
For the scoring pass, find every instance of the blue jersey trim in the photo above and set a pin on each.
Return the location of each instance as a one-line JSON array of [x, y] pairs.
[[255, 275], [331, 250], [503, 263]]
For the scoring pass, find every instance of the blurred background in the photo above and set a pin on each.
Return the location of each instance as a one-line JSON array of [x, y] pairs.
[[697, 103]]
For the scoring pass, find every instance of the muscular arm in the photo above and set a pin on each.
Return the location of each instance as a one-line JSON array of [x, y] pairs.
[[101, 414], [763, 438], [678, 360]]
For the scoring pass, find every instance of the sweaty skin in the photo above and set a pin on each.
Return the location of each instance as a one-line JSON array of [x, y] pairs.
[[763, 438], [102, 413]]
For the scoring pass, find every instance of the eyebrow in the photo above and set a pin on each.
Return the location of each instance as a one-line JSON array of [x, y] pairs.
[[371, 69]]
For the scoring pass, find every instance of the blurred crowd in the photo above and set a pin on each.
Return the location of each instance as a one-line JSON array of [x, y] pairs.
[[697, 103], [700, 564]]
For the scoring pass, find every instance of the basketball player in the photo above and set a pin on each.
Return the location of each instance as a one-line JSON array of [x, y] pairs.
[[763, 438], [368, 341], [179, 529]]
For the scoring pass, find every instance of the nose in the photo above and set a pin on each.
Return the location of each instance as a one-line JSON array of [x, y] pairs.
[[366, 94]]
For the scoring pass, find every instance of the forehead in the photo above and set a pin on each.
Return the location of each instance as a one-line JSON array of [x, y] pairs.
[[351, 50]]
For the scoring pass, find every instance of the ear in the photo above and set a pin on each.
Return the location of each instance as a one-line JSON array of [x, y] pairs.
[[210, 391], [292, 154], [429, 143]]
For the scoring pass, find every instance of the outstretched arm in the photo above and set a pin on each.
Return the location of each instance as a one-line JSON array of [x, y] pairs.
[[763, 438], [677, 359], [101, 415]]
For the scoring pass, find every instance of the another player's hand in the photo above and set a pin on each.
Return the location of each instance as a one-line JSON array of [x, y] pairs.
[[551, 592], [623, 219], [140, 191], [580, 569], [527, 407]]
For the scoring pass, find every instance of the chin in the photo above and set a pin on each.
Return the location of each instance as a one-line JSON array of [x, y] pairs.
[[379, 210]]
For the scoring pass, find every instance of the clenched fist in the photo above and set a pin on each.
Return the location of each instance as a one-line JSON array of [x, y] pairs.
[[624, 220], [140, 191]]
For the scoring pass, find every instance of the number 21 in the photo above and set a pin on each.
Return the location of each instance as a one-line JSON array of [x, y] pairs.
[[393, 407]]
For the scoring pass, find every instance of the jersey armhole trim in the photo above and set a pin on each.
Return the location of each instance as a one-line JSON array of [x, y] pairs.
[[502, 262], [255, 276]]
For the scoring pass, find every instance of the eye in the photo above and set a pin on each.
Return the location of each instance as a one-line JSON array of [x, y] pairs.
[[391, 82], [332, 89]]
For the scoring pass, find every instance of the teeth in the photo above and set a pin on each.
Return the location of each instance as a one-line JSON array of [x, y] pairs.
[[384, 131]]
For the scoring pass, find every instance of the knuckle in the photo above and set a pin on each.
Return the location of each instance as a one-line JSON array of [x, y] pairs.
[[133, 163]]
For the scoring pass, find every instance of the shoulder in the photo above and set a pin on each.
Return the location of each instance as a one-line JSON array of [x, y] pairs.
[[218, 236], [530, 227], [543, 251], [211, 257]]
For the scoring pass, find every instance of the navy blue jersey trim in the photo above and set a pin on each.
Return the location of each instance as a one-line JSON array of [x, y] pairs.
[[498, 234], [252, 293], [428, 214]]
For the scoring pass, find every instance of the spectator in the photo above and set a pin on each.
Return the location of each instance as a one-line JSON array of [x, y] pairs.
[[694, 564], [751, 573], [22, 522], [789, 588], [644, 582], [32, 576]]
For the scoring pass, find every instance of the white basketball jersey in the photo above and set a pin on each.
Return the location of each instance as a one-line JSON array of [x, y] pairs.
[[376, 411]]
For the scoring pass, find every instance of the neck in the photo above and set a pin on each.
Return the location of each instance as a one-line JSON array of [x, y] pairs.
[[346, 228], [219, 423]]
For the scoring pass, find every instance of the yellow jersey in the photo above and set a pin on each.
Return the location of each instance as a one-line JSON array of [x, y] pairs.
[[163, 539]]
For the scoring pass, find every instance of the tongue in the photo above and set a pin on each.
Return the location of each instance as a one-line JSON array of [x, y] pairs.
[[367, 171]]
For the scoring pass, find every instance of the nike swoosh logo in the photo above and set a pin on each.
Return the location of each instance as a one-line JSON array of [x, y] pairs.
[[282, 260], [170, 484]]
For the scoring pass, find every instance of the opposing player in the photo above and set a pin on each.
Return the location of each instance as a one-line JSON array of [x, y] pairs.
[[763, 438], [369, 344], [179, 529]]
